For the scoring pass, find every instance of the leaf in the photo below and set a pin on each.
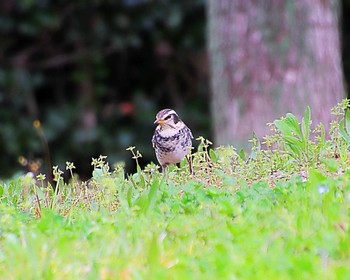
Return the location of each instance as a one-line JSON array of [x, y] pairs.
[[256, 147], [141, 201], [152, 194], [292, 140], [295, 150], [142, 178], [129, 196], [306, 124], [322, 134], [242, 154], [283, 127], [315, 177], [257, 141], [343, 132], [293, 124], [347, 121], [97, 174], [331, 164], [213, 155], [288, 127]]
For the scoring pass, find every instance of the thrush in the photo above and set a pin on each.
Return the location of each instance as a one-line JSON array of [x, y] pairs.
[[172, 139]]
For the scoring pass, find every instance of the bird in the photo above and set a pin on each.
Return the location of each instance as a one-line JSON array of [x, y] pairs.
[[172, 139]]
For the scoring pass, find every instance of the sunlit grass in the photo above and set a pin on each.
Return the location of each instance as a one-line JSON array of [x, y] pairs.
[[279, 212]]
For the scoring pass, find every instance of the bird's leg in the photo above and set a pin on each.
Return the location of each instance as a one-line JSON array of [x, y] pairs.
[[165, 167], [165, 171], [189, 160]]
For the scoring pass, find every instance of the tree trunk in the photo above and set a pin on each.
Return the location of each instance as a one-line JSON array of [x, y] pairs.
[[272, 57]]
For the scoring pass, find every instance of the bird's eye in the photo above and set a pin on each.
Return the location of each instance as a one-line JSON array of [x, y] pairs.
[[167, 117]]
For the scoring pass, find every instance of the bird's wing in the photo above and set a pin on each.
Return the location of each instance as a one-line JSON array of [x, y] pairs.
[[189, 130], [154, 140]]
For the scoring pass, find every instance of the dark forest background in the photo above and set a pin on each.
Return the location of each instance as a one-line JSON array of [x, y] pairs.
[[84, 78]]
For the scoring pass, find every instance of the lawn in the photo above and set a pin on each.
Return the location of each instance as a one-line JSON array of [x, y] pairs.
[[278, 212]]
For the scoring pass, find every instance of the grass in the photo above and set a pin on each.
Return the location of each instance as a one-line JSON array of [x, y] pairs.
[[281, 212]]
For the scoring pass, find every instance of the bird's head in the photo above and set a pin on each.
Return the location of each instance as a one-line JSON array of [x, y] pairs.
[[167, 118]]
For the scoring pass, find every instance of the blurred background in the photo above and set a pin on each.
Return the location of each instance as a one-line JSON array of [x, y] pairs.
[[95, 73], [84, 78]]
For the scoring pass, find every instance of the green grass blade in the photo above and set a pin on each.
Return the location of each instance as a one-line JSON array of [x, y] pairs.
[[152, 194]]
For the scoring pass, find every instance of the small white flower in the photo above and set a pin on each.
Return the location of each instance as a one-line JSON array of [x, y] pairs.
[[322, 189]]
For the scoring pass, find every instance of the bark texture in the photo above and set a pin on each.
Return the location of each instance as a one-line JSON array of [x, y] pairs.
[[272, 57]]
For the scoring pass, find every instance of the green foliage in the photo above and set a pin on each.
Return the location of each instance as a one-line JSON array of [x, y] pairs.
[[237, 216], [344, 127], [296, 137]]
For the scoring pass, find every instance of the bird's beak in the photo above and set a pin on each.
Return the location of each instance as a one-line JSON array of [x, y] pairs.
[[160, 121]]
